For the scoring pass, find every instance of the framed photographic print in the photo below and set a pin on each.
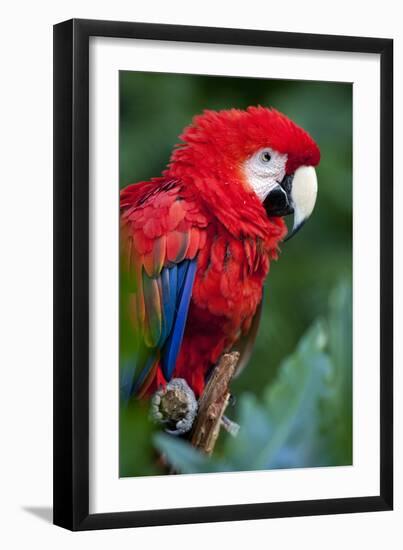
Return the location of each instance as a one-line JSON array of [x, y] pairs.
[[223, 330]]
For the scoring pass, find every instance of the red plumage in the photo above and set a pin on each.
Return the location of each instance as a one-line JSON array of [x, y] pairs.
[[202, 207]]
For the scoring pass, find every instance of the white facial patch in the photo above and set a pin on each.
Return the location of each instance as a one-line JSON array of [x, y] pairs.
[[303, 193], [264, 170]]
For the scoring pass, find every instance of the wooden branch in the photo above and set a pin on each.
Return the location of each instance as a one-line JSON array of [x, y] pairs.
[[212, 404]]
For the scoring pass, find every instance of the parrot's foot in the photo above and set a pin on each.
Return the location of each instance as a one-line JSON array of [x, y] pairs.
[[174, 406], [230, 426]]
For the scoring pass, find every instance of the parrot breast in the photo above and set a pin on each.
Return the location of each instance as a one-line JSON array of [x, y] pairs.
[[226, 294]]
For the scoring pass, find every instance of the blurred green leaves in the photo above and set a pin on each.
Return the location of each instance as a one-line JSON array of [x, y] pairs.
[[136, 452], [304, 417], [337, 428]]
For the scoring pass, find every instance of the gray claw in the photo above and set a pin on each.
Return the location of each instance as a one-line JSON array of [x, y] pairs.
[[174, 406], [229, 425]]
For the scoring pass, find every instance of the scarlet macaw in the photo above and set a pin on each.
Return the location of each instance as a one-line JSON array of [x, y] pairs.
[[197, 242]]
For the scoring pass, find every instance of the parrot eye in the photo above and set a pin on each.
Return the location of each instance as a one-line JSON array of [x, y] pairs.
[[265, 157]]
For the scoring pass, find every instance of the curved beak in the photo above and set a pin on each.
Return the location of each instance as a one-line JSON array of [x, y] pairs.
[[295, 194]]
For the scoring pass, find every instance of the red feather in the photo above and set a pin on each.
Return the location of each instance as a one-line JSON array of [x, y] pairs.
[[177, 244]]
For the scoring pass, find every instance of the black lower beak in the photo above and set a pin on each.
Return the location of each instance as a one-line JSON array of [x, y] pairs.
[[278, 201]]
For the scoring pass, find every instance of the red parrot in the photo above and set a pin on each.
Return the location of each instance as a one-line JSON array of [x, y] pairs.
[[196, 242]]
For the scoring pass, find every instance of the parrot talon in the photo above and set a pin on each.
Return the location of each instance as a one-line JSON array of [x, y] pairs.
[[230, 426], [174, 406]]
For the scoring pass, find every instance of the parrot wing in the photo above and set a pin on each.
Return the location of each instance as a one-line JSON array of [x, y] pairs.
[[161, 235]]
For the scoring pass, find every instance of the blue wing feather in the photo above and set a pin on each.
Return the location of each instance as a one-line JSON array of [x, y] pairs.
[[182, 270], [169, 291], [175, 285], [171, 349]]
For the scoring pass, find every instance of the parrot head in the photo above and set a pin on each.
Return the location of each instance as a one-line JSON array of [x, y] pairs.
[[260, 149]]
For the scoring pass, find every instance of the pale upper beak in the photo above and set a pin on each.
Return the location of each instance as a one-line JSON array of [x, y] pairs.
[[296, 193]]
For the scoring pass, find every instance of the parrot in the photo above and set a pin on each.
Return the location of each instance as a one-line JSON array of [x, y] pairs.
[[196, 242]]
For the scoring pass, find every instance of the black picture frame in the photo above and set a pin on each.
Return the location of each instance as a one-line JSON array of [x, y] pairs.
[[71, 274]]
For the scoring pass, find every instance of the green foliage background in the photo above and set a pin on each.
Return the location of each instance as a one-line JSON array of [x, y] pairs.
[[311, 280]]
